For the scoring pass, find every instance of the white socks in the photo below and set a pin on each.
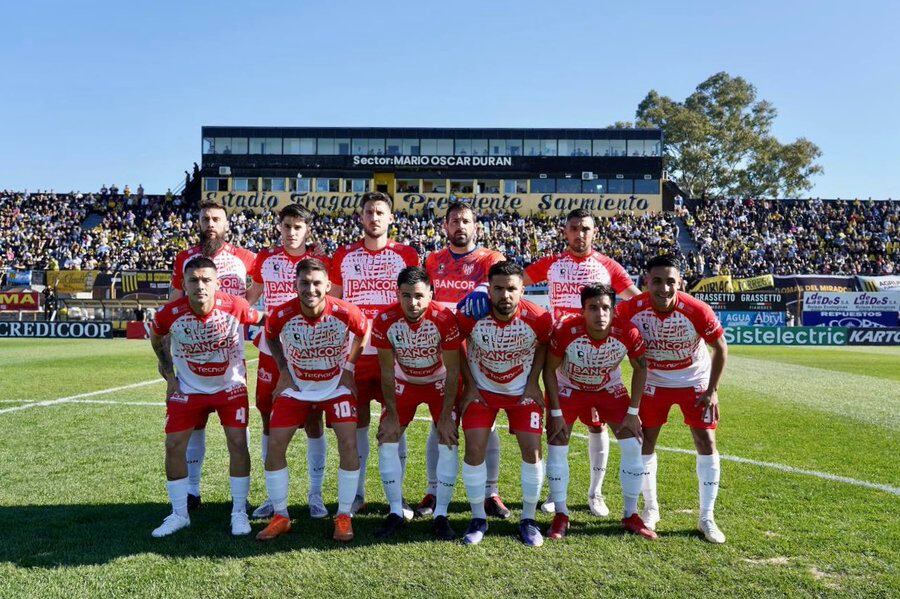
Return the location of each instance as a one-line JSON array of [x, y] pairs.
[[447, 464], [492, 461], [362, 447], [532, 480], [264, 448], [648, 487], [631, 474], [598, 450], [401, 449], [708, 472], [391, 475], [196, 451], [316, 450], [347, 481], [240, 489], [474, 478], [277, 488], [558, 476], [431, 461], [178, 492]]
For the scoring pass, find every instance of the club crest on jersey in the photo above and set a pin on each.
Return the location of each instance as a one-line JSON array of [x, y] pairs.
[[467, 269], [441, 268]]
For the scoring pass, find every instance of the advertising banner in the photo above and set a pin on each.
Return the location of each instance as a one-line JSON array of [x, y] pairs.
[[874, 309], [874, 337], [18, 278], [786, 335], [20, 300], [71, 281], [875, 319], [709, 284], [136, 329], [885, 283], [526, 204], [731, 318], [742, 301], [146, 282], [792, 286], [753, 283], [59, 330]]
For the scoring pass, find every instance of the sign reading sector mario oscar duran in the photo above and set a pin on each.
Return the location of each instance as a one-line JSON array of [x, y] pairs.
[[59, 330], [528, 204], [20, 300]]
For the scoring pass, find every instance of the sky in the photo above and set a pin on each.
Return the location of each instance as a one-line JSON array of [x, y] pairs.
[[116, 92]]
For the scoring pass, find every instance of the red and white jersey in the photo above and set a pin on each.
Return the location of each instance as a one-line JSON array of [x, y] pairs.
[[276, 271], [207, 351], [369, 278], [232, 266], [591, 365], [417, 346], [500, 354], [567, 274], [676, 352], [454, 276], [316, 349]]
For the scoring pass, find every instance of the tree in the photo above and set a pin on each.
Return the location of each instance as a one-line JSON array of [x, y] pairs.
[[719, 142]]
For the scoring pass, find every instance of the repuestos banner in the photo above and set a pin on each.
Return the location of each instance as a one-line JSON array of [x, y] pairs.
[[551, 204], [67, 330], [851, 309], [786, 335], [20, 300]]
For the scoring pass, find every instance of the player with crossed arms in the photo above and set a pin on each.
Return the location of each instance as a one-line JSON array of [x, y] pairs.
[[310, 339], [418, 345], [505, 353], [199, 342], [677, 328]]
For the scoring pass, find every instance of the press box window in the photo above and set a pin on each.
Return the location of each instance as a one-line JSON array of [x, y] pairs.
[[568, 186], [647, 186], [273, 184], [434, 185], [593, 186], [209, 145], [356, 185], [214, 184], [265, 145], [327, 185], [461, 186], [515, 186], [489, 186], [407, 186], [245, 184], [543, 186], [300, 185], [621, 186]]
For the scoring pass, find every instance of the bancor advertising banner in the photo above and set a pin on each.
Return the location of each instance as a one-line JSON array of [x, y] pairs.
[[527, 204], [786, 335], [851, 309]]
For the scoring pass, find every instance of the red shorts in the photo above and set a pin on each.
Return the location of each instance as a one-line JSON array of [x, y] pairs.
[[266, 381], [190, 410], [657, 402], [410, 397], [368, 381], [594, 408], [288, 412], [523, 418]]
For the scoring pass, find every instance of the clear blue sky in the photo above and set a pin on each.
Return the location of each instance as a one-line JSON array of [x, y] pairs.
[[103, 92]]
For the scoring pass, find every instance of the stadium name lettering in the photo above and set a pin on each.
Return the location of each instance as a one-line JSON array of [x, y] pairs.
[[557, 203], [70, 330], [432, 161]]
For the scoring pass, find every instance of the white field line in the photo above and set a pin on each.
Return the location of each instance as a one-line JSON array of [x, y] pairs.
[[72, 398]]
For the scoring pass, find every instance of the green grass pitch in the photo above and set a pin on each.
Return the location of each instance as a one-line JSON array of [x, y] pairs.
[[82, 486]]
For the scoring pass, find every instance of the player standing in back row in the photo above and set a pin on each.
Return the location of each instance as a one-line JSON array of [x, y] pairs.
[[566, 274], [273, 274], [676, 328], [365, 274], [455, 271], [232, 266]]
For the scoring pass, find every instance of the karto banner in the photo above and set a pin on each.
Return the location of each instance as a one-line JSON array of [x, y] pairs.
[[20, 300], [786, 335], [71, 281], [890, 336], [59, 330], [528, 204], [885, 283]]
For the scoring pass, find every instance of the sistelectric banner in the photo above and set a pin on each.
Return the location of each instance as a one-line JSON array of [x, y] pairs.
[[874, 337], [746, 318], [58, 330], [758, 301], [786, 335]]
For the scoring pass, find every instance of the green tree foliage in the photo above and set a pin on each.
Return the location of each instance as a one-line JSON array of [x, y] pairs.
[[719, 142]]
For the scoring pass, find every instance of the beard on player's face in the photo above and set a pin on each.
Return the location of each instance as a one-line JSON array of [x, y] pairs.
[[210, 242], [460, 238]]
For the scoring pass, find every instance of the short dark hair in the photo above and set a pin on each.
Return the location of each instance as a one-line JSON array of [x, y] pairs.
[[664, 260], [579, 213], [596, 290], [460, 205], [211, 205], [412, 275], [376, 196], [311, 264], [507, 268], [296, 211], [199, 262]]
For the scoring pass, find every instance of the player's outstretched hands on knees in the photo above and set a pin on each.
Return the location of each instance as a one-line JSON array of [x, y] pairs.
[[557, 430], [348, 380], [632, 424], [477, 304], [389, 429], [172, 386], [469, 397], [534, 394], [709, 399], [284, 382], [448, 433]]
